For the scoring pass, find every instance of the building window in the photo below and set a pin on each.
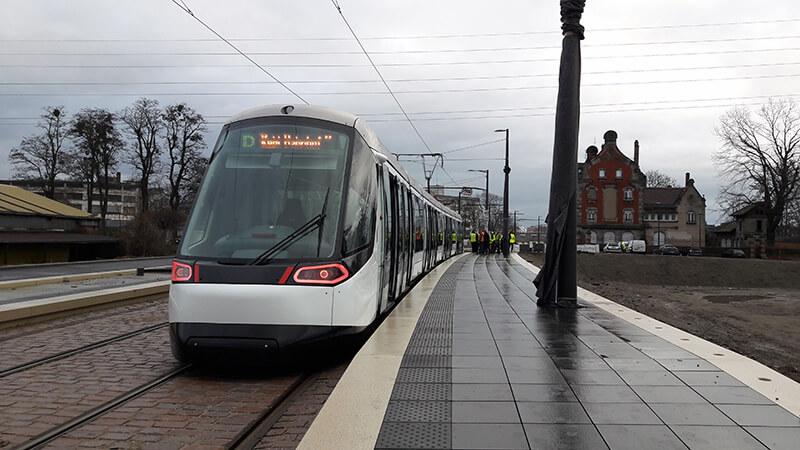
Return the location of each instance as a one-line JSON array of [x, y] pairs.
[[758, 226], [627, 215], [591, 215], [591, 194], [690, 217], [627, 194], [619, 174], [602, 173]]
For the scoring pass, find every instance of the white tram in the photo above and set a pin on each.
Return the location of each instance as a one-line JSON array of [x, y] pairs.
[[306, 227]]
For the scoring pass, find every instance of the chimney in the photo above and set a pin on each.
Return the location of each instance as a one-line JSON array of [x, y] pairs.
[[119, 177], [689, 181], [636, 152]]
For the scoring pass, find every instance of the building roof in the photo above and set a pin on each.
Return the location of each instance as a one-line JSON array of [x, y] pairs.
[[16, 200], [747, 209], [726, 227], [51, 237], [662, 196]]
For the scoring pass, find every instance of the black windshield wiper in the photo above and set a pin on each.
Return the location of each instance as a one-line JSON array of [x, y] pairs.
[[322, 223], [306, 228]]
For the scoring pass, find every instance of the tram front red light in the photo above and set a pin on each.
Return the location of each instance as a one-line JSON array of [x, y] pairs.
[[325, 274], [181, 272]]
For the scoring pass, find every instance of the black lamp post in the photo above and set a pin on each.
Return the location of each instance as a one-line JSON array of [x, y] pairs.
[[507, 170], [488, 213]]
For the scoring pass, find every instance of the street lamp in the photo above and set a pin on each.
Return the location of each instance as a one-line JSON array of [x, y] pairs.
[[507, 170], [488, 215]]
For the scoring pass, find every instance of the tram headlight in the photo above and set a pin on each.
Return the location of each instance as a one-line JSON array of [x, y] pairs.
[[324, 274]]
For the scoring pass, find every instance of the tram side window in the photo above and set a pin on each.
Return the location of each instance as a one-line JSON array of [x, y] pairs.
[[419, 225], [360, 208]]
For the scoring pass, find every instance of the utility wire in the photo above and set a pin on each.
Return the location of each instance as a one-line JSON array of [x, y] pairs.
[[472, 146], [394, 52], [415, 64], [186, 9], [420, 91], [449, 36], [406, 80], [336, 5]]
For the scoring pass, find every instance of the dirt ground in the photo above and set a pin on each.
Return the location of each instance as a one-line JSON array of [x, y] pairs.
[[749, 306]]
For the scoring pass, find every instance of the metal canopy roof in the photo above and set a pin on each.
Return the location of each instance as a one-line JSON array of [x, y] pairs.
[[16, 200]]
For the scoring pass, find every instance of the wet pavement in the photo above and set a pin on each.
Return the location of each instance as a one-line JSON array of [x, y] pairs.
[[486, 368]]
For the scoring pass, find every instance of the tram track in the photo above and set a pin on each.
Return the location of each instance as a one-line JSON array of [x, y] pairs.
[[42, 439], [95, 315], [68, 353], [251, 435]]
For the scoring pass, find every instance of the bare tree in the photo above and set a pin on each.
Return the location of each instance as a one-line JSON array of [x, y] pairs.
[[658, 179], [759, 159], [197, 169], [42, 156], [183, 135], [97, 143], [144, 123]]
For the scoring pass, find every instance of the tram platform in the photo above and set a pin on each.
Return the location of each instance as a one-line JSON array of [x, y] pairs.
[[467, 360]]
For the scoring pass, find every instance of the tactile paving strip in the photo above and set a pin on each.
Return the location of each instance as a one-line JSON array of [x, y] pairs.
[[419, 412], [420, 391], [410, 360], [414, 435]]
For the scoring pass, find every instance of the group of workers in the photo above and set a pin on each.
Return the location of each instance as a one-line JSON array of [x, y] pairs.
[[490, 241]]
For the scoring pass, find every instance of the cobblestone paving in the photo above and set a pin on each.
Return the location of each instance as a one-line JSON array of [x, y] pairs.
[[40, 398], [29, 343], [194, 411], [292, 426]]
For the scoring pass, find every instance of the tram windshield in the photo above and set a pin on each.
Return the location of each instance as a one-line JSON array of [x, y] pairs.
[[268, 179]]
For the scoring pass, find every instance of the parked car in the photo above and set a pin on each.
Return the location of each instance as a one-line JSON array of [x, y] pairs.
[[694, 251], [612, 247], [733, 253], [668, 250]]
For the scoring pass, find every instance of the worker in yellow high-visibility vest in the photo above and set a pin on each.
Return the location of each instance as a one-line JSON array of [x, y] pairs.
[[512, 239], [473, 239]]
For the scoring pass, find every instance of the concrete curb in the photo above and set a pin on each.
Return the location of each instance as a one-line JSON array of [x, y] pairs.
[[43, 309], [13, 284]]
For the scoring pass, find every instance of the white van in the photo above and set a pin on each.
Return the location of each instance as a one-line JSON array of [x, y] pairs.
[[636, 246]]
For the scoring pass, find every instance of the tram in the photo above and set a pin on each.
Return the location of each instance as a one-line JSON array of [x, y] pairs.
[[305, 228]]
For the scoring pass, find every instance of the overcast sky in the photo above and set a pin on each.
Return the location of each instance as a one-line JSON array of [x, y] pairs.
[[661, 71]]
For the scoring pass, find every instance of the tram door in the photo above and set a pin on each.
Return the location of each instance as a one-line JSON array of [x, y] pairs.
[[389, 235], [402, 232]]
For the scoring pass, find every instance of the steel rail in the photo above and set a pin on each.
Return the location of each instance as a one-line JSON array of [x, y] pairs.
[[68, 353]]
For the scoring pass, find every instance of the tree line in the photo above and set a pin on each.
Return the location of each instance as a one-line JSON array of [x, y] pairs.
[[164, 146]]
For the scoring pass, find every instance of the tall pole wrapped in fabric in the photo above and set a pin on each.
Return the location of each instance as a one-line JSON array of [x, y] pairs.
[[556, 283]]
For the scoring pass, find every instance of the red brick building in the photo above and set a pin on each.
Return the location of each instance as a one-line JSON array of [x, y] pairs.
[[610, 192], [615, 205]]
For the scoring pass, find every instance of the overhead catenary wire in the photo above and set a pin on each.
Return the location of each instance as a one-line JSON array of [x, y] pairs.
[[339, 9], [186, 9]]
